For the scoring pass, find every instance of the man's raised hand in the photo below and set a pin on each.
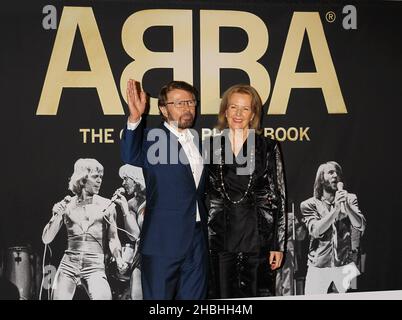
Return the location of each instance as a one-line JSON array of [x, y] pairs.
[[136, 99]]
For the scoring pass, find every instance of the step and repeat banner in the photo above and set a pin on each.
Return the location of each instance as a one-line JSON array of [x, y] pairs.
[[329, 75]]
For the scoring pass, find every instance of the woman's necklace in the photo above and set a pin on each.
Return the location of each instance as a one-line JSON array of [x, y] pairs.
[[249, 180]]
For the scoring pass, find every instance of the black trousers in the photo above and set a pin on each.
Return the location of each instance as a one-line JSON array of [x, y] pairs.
[[233, 275]]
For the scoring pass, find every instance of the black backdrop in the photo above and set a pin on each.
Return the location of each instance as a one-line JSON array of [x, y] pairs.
[[38, 151]]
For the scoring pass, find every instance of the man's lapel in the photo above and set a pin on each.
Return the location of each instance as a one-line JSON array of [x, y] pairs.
[[171, 135]]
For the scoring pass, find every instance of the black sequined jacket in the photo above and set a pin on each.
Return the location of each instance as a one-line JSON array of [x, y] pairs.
[[267, 194]]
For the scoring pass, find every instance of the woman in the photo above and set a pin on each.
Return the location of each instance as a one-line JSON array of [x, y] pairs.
[[246, 196]]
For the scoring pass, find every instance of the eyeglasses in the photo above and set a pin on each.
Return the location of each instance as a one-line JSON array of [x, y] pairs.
[[182, 103]]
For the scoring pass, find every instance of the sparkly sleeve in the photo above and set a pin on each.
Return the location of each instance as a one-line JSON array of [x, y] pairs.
[[281, 216]]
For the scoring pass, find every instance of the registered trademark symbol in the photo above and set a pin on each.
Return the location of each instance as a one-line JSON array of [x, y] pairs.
[[330, 16]]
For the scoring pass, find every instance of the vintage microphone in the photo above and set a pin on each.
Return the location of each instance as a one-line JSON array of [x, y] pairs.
[[66, 200], [118, 192], [339, 186]]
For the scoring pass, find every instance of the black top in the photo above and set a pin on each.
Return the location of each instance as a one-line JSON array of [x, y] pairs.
[[241, 222], [257, 223]]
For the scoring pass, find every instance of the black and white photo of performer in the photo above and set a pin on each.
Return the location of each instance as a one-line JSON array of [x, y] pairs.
[[332, 215], [133, 213], [90, 222]]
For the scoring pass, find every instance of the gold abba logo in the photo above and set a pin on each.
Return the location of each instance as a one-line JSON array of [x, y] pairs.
[[181, 58]]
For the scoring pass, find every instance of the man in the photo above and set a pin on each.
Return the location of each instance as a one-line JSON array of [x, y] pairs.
[[89, 218], [133, 213], [331, 216], [174, 235]]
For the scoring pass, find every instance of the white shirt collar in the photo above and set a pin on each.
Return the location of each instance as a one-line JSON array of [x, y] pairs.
[[185, 134]]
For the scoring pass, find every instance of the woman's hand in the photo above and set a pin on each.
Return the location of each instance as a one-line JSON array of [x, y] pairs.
[[275, 259]]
